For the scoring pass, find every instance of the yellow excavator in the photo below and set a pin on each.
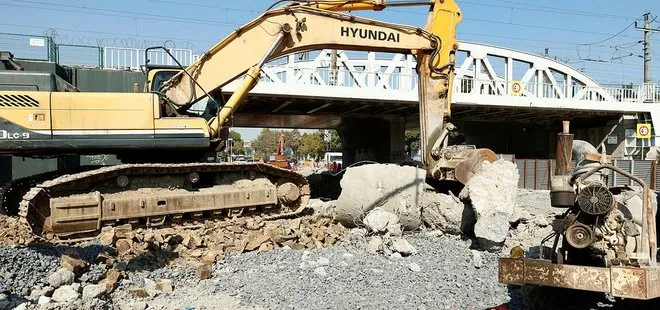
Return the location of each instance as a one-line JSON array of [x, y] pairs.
[[159, 140]]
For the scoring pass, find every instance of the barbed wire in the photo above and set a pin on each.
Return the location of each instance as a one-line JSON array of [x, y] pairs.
[[123, 42]]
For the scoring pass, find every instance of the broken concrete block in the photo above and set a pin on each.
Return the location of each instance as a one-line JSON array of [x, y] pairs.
[[91, 291], [65, 294], [381, 221], [492, 194], [447, 213], [203, 272], [393, 188], [375, 245], [61, 277], [402, 246], [414, 267], [124, 246], [43, 300], [477, 261], [107, 235], [164, 286], [73, 262]]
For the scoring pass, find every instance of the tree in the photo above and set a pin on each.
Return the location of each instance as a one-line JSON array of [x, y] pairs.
[[265, 143], [312, 144], [239, 144], [412, 141], [335, 141], [292, 140]]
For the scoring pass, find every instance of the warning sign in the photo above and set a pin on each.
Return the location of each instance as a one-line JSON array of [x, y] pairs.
[[643, 131], [516, 88]]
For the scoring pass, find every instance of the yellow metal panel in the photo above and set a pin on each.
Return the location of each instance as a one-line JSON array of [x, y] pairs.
[[100, 111], [172, 124], [35, 116]]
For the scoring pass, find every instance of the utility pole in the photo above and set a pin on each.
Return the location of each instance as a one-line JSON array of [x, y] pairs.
[[647, 48], [647, 45]]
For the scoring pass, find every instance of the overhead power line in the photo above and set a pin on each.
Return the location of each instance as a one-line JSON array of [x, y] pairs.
[[534, 8], [612, 36], [119, 13], [571, 30], [571, 11]]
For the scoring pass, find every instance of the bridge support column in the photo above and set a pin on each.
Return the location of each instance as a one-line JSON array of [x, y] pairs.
[[397, 140], [374, 139]]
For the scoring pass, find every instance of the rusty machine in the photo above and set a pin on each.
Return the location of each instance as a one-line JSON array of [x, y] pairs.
[[280, 158], [603, 241], [160, 139]]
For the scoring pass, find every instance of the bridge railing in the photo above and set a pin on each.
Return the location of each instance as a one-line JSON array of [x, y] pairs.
[[341, 77], [637, 94]]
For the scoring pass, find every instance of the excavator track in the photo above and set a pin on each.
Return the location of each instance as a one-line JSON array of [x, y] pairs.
[[72, 207]]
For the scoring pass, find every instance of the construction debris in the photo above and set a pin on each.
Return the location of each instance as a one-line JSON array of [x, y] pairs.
[[392, 188], [491, 193], [72, 262], [381, 221], [61, 277], [203, 272], [447, 213]]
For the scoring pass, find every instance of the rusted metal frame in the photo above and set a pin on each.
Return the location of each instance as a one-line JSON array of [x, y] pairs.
[[654, 171], [648, 221], [624, 282]]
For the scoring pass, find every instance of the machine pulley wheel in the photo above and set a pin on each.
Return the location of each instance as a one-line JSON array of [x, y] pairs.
[[579, 236]]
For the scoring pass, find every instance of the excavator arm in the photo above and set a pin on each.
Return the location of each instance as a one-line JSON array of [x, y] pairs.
[[313, 25]]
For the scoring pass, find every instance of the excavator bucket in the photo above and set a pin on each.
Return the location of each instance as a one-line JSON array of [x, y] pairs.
[[470, 162], [461, 164]]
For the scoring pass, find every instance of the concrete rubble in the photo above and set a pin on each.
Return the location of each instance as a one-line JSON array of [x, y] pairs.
[[392, 188], [366, 245], [389, 199], [491, 193]]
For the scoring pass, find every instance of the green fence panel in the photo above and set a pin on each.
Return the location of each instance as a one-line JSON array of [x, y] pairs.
[[28, 46]]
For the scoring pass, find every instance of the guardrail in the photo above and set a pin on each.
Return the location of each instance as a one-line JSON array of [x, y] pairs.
[[120, 58], [643, 93]]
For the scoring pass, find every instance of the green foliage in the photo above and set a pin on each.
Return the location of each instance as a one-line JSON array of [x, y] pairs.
[[312, 144], [292, 140], [266, 142], [412, 141], [335, 141], [239, 144]]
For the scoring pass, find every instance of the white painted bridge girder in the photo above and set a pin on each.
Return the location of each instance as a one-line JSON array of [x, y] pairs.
[[483, 77]]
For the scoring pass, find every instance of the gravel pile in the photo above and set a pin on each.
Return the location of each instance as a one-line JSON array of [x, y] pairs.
[[22, 268], [444, 272], [441, 275]]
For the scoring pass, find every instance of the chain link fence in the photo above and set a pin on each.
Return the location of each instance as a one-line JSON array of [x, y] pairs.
[[29, 47], [79, 55], [44, 48]]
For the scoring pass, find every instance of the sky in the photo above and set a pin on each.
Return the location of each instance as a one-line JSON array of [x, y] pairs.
[[597, 37]]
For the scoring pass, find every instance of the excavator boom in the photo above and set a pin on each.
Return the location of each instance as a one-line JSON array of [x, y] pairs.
[[310, 25]]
